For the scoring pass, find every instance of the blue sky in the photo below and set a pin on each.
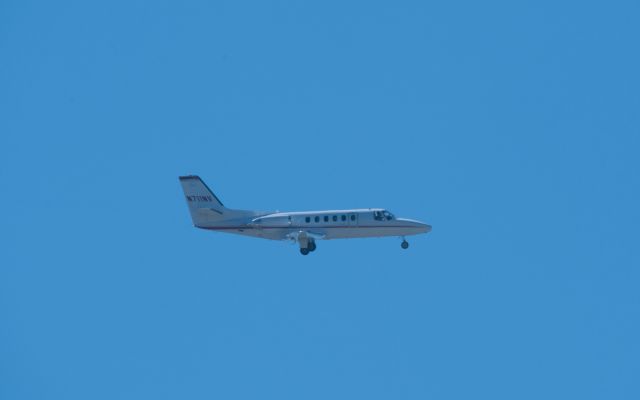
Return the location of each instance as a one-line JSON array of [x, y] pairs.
[[512, 128]]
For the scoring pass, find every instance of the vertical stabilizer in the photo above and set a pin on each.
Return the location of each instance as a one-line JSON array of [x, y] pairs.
[[204, 206]]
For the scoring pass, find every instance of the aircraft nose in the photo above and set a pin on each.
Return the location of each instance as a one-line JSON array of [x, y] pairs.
[[422, 227]]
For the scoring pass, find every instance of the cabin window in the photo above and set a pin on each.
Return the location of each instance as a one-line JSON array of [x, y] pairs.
[[326, 218], [317, 219], [307, 219], [343, 217], [353, 217], [335, 218]]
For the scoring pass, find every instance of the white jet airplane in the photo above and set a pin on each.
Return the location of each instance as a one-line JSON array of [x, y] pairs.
[[208, 212]]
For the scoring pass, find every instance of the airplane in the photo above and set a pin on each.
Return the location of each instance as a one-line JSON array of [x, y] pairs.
[[305, 228]]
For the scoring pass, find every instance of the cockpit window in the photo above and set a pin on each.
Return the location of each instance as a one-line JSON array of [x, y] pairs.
[[383, 215]]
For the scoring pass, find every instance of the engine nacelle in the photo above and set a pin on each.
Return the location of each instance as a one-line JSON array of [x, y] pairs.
[[275, 221]]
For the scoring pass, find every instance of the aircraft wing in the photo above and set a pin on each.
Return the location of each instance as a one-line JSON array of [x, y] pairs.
[[303, 237]]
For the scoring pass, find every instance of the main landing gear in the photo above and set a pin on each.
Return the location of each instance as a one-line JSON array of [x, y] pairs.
[[311, 246]]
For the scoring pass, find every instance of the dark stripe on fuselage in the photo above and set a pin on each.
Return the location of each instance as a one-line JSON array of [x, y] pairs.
[[304, 227]]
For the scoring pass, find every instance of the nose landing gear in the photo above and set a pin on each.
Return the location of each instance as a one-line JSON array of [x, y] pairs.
[[404, 244]]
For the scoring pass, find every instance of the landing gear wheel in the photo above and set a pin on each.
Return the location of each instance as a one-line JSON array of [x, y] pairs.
[[404, 244], [312, 246], [304, 251]]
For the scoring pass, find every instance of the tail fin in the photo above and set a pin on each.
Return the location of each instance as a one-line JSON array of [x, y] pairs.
[[204, 206]]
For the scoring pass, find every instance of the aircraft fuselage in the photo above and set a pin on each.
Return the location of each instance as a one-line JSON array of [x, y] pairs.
[[338, 224]]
